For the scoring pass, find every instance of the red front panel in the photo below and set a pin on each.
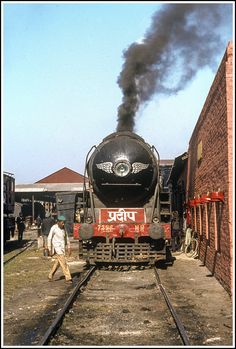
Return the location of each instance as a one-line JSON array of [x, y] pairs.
[[116, 230], [121, 222], [167, 230], [121, 230]]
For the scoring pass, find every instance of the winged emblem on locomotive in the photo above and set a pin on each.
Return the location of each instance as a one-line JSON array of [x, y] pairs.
[[105, 166], [108, 166], [138, 166]]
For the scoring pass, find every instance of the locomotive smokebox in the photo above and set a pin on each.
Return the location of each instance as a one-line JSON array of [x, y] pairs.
[[123, 170]]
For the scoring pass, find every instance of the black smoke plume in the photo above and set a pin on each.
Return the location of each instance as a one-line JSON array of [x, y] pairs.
[[182, 39]]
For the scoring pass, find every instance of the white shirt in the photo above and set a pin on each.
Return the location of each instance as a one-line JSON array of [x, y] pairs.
[[188, 236], [58, 239]]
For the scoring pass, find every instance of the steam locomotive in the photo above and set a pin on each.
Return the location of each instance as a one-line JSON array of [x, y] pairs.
[[124, 214]]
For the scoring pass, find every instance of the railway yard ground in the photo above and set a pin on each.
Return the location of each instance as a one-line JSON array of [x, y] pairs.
[[30, 303]]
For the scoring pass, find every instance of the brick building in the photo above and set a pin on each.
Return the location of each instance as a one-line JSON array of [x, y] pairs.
[[208, 176], [37, 198]]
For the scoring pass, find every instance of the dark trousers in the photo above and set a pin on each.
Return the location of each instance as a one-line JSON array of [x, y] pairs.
[[20, 234], [174, 239]]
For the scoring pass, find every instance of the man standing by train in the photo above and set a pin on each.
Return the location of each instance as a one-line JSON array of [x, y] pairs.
[[20, 226], [47, 223], [57, 241]]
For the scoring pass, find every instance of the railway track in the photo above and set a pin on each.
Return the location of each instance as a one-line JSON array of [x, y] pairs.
[[119, 306], [175, 316], [19, 251], [56, 323]]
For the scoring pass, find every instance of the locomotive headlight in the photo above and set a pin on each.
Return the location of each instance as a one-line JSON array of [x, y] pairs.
[[122, 168], [89, 219], [155, 220]]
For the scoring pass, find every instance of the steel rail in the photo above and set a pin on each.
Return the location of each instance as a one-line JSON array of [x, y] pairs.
[[52, 329], [17, 254], [179, 324]]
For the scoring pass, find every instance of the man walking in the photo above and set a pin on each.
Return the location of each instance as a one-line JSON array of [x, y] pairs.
[[57, 242]]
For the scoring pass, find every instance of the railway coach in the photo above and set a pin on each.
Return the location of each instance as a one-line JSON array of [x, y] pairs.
[[8, 205]]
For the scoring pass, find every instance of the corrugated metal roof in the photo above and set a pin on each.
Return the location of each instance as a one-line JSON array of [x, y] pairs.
[[45, 191], [44, 187], [48, 187]]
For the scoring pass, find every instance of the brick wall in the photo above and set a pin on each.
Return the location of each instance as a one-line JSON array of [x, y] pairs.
[[212, 171]]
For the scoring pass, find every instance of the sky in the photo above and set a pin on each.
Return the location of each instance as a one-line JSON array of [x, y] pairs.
[[60, 93]]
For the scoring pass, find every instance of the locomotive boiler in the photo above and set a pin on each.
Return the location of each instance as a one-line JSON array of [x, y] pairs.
[[120, 216]]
